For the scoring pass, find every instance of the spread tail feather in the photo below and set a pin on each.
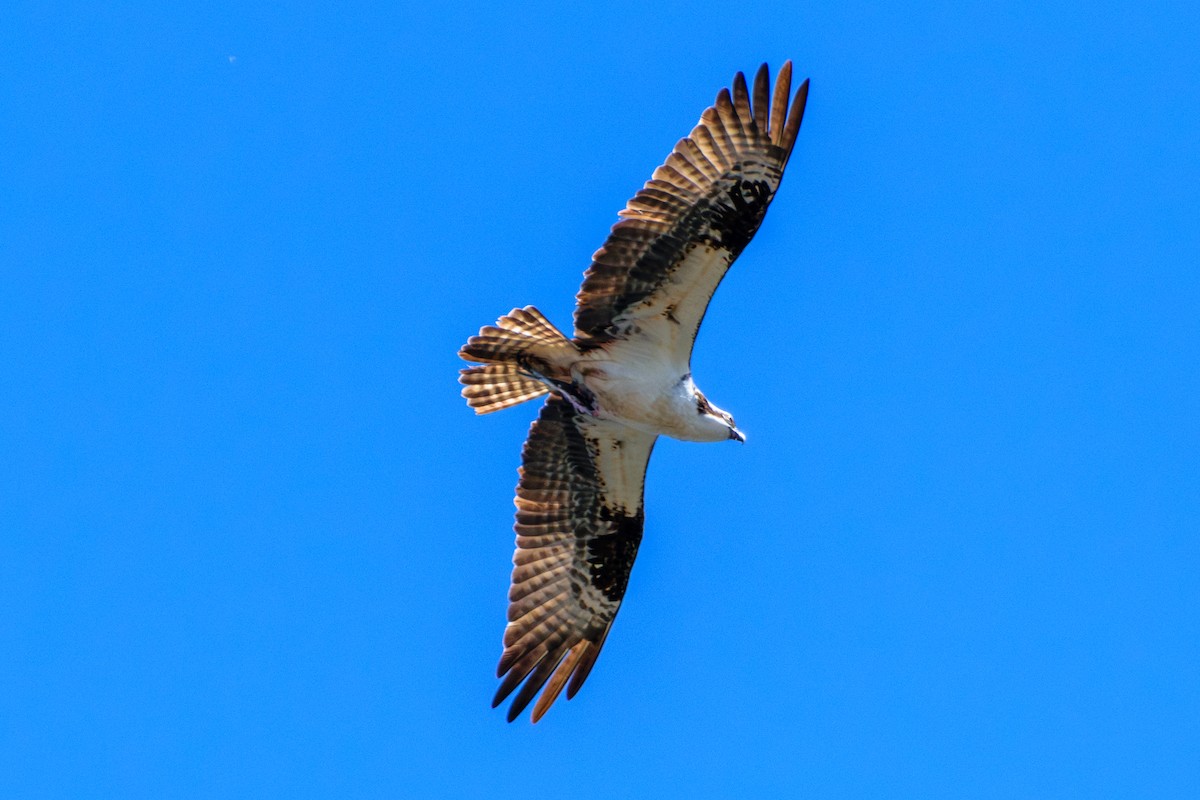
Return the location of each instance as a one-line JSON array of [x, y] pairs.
[[522, 332], [495, 386], [519, 350]]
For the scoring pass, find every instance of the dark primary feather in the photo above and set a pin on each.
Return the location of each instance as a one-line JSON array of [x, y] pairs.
[[578, 529], [680, 233]]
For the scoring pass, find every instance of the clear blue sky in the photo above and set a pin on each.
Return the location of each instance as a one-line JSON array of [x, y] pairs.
[[254, 544]]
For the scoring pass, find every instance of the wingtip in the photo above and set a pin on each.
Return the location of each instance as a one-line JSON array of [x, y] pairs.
[[800, 101]]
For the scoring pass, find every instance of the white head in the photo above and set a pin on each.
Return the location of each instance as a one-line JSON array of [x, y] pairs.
[[713, 424]]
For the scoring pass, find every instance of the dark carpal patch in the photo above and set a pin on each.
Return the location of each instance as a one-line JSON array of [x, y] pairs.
[[734, 223], [610, 554]]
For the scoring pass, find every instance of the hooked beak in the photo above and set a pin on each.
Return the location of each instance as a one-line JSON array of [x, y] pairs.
[[734, 433]]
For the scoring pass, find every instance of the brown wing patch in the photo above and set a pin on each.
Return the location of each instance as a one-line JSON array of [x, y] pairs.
[[579, 524], [680, 233]]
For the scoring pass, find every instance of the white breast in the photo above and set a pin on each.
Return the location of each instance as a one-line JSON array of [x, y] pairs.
[[637, 384]]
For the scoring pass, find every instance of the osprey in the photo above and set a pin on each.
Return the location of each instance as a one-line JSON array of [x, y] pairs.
[[622, 380]]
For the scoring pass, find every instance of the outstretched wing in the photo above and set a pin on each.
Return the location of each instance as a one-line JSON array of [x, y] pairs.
[[579, 523], [680, 233]]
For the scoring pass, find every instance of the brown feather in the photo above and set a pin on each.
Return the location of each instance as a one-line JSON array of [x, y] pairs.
[[783, 85], [559, 680], [794, 118], [585, 667], [741, 101], [762, 100]]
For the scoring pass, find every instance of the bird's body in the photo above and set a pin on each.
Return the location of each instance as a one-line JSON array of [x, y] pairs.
[[653, 396], [634, 383], [621, 381]]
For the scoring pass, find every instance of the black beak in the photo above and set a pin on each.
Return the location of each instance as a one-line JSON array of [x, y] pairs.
[[734, 433]]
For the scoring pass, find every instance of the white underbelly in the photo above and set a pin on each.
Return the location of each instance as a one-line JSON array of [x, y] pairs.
[[643, 393]]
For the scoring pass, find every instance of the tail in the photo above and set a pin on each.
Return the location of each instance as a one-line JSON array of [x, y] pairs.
[[519, 346]]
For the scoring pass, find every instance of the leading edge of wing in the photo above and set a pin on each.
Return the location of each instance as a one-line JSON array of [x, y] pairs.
[[579, 523]]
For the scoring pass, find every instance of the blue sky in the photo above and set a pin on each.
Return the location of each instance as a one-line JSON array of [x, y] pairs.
[[253, 544]]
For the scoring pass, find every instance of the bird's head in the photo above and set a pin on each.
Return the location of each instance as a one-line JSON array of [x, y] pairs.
[[716, 424]]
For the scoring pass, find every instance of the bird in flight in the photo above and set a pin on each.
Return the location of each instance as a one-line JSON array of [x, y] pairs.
[[621, 381]]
